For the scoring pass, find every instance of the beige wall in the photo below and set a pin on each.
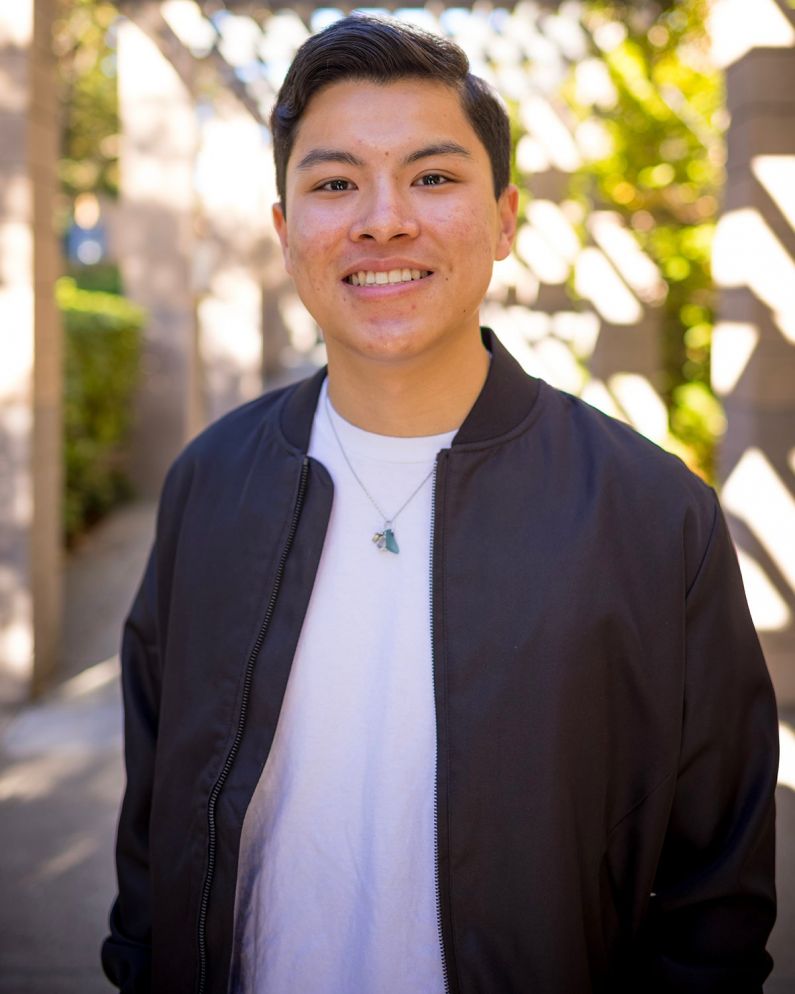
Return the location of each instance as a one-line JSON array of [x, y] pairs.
[[157, 239]]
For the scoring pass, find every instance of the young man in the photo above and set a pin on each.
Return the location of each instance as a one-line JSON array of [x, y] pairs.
[[438, 679]]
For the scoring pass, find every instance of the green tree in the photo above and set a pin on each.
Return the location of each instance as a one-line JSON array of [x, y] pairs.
[[83, 36], [663, 173]]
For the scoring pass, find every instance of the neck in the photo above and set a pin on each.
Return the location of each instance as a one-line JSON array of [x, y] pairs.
[[411, 397]]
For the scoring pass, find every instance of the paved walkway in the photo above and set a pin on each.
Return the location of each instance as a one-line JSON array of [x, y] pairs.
[[61, 779]]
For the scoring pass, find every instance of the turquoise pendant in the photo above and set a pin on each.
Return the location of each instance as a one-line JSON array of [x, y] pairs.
[[386, 541]]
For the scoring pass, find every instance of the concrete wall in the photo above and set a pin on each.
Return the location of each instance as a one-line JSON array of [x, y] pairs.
[[159, 141], [234, 197], [30, 353], [754, 346], [196, 243]]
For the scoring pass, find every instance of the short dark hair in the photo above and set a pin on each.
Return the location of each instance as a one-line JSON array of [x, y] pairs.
[[385, 50]]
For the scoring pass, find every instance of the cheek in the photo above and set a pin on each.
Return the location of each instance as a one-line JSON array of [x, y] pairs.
[[312, 259], [478, 241], [474, 232]]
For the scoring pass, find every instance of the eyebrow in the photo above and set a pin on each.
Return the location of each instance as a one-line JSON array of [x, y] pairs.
[[441, 148], [318, 156]]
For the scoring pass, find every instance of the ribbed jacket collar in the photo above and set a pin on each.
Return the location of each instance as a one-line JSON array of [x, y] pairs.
[[504, 402]]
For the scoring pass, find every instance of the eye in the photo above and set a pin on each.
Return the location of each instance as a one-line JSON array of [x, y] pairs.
[[336, 186], [432, 179]]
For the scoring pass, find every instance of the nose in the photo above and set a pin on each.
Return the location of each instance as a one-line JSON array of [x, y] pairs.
[[386, 214]]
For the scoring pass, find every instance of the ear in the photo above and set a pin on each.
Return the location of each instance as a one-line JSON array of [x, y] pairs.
[[507, 208], [280, 224]]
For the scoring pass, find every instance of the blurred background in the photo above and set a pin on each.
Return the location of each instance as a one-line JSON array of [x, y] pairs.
[[142, 294]]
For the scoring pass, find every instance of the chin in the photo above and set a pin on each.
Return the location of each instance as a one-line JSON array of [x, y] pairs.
[[387, 344]]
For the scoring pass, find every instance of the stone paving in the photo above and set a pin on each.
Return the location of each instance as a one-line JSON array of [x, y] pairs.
[[61, 780]]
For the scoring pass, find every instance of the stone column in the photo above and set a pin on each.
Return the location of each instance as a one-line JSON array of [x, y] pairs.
[[30, 353], [753, 354], [159, 138]]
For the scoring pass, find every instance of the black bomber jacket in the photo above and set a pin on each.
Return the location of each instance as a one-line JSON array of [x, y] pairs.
[[606, 729]]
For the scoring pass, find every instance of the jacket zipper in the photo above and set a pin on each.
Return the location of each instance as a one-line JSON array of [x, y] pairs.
[[445, 977], [241, 722]]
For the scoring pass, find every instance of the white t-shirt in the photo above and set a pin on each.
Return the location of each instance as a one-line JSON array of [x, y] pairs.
[[336, 888]]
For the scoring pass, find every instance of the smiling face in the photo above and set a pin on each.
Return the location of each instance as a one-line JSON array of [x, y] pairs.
[[392, 226]]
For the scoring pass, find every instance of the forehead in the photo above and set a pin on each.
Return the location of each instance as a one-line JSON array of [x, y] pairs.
[[399, 115]]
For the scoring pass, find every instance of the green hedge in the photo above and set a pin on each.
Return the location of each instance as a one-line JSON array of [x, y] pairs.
[[101, 359], [103, 276]]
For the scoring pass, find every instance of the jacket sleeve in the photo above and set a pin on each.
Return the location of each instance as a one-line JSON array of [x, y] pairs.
[[714, 898], [126, 952]]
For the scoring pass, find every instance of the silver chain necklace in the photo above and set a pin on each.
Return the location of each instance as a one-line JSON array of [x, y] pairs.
[[385, 539]]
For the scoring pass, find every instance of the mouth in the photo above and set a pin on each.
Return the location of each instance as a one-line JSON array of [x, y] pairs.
[[367, 277]]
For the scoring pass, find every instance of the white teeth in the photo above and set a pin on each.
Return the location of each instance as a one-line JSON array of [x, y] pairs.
[[369, 277]]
